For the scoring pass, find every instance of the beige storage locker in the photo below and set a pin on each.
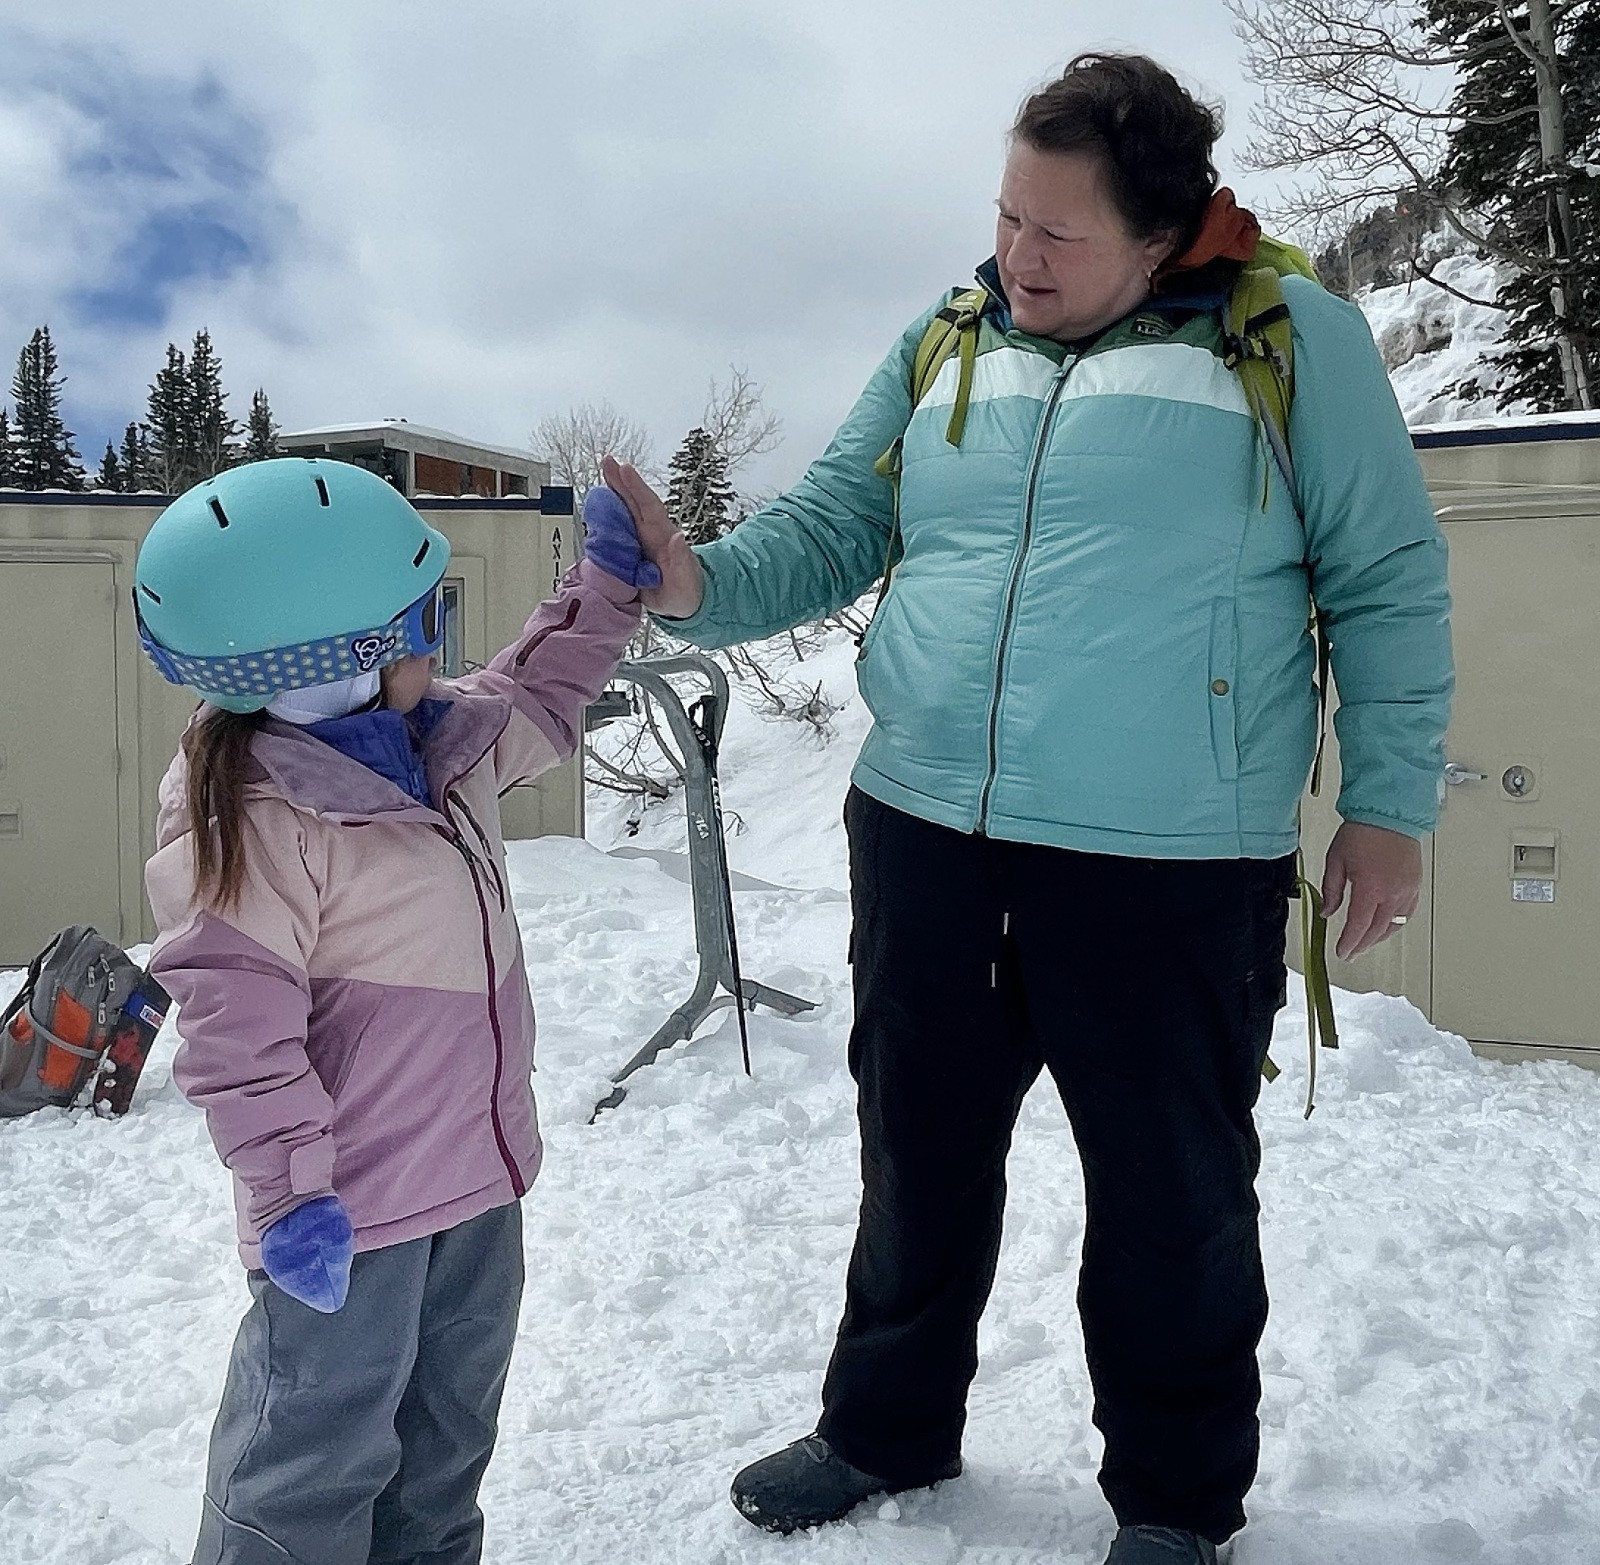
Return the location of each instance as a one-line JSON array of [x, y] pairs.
[[1505, 949], [87, 727]]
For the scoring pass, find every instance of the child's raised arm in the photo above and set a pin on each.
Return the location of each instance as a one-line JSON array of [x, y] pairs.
[[567, 651]]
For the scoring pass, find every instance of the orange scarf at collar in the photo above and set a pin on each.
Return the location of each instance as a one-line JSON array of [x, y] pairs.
[[1229, 232]]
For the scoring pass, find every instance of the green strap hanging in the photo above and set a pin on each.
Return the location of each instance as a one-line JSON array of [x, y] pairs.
[[1324, 675], [1321, 1025]]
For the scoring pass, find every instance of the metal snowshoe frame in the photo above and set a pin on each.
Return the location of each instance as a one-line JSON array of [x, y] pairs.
[[720, 983]]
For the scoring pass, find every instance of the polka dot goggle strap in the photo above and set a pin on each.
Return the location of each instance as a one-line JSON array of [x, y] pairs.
[[416, 633]]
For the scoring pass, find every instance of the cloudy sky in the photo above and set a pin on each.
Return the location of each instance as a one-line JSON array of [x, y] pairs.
[[477, 213]]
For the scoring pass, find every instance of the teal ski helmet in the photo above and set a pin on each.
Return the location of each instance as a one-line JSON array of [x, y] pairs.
[[284, 574]]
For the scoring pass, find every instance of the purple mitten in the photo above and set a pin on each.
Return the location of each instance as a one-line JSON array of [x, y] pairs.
[[307, 1253], [612, 541]]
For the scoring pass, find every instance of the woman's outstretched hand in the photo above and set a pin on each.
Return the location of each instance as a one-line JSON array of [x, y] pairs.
[[682, 586], [1381, 871]]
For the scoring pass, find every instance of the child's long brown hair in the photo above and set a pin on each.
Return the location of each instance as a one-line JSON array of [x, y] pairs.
[[217, 750]]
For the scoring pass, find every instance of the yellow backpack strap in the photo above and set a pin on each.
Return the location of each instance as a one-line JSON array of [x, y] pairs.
[[1260, 350], [953, 329], [1284, 259]]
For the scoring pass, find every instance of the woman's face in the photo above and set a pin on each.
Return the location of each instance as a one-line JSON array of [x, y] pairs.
[[405, 683], [1069, 264]]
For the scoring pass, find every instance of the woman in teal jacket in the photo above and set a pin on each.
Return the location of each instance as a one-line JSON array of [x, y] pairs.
[[1072, 826]]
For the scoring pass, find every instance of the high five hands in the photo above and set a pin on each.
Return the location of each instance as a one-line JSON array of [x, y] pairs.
[[679, 587]]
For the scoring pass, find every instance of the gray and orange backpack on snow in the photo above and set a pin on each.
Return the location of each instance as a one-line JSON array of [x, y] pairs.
[[85, 1009]]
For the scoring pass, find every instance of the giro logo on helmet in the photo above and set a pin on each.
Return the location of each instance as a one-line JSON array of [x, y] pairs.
[[368, 650]]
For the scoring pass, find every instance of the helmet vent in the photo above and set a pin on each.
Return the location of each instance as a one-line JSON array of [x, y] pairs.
[[218, 512], [153, 597], [426, 544], [322, 491]]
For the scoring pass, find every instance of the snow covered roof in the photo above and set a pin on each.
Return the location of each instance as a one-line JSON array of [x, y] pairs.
[[1511, 429], [400, 434]]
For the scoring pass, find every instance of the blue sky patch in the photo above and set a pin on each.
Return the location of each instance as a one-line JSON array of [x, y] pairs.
[[172, 245], [172, 176]]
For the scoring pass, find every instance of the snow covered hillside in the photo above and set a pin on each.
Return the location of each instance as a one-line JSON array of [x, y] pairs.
[[1433, 1245], [1430, 339]]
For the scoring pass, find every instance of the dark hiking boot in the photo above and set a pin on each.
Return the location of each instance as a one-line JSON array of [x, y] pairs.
[[807, 1484], [1160, 1546]]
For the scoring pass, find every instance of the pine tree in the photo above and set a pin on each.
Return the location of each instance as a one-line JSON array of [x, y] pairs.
[[7, 475], [214, 432], [109, 478], [170, 426], [1497, 164], [43, 454], [261, 437], [700, 498], [135, 460], [192, 438]]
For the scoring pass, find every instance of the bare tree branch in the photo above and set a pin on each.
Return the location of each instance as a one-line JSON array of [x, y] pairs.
[[1427, 274], [737, 419], [573, 443], [1519, 39], [625, 781]]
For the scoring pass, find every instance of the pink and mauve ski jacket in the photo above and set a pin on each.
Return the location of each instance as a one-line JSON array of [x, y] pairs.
[[359, 1023]]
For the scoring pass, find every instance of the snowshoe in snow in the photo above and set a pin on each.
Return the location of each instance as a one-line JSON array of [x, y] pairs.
[[698, 731], [807, 1484]]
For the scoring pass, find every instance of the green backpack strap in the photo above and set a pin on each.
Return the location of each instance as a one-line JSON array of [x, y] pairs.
[[1322, 1026], [954, 329], [955, 326], [1259, 348]]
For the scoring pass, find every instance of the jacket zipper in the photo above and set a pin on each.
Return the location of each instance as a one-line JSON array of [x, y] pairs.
[[1002, 646], [454, 838], [488, 851]]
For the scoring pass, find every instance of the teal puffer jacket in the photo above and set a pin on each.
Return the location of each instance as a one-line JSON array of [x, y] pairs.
[[1097, 638]]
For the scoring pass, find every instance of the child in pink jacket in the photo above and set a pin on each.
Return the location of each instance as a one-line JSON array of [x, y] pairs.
[[335, 924]]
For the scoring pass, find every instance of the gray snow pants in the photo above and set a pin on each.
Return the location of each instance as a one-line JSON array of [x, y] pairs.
[[360, 1438]]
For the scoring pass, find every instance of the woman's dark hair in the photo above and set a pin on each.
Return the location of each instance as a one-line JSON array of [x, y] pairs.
[[1153, 137], [217, 751]]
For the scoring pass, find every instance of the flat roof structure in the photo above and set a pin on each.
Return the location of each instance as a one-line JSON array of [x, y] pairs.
[[420, 460]]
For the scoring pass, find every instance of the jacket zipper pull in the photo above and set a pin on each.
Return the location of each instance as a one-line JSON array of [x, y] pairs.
[[456, 841]]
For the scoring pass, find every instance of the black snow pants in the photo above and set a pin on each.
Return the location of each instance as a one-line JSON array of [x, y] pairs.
[[1147, 987]]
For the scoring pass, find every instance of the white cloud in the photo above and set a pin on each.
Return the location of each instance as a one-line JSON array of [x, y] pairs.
[[503, 209]]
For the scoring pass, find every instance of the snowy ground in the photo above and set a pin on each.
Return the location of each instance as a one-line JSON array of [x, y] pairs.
[[1433, 1241]]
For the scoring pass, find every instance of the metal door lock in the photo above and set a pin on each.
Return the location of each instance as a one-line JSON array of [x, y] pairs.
[[1518, 781]]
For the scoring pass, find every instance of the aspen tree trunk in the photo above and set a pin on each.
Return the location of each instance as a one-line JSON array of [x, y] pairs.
[[1559, 218]]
